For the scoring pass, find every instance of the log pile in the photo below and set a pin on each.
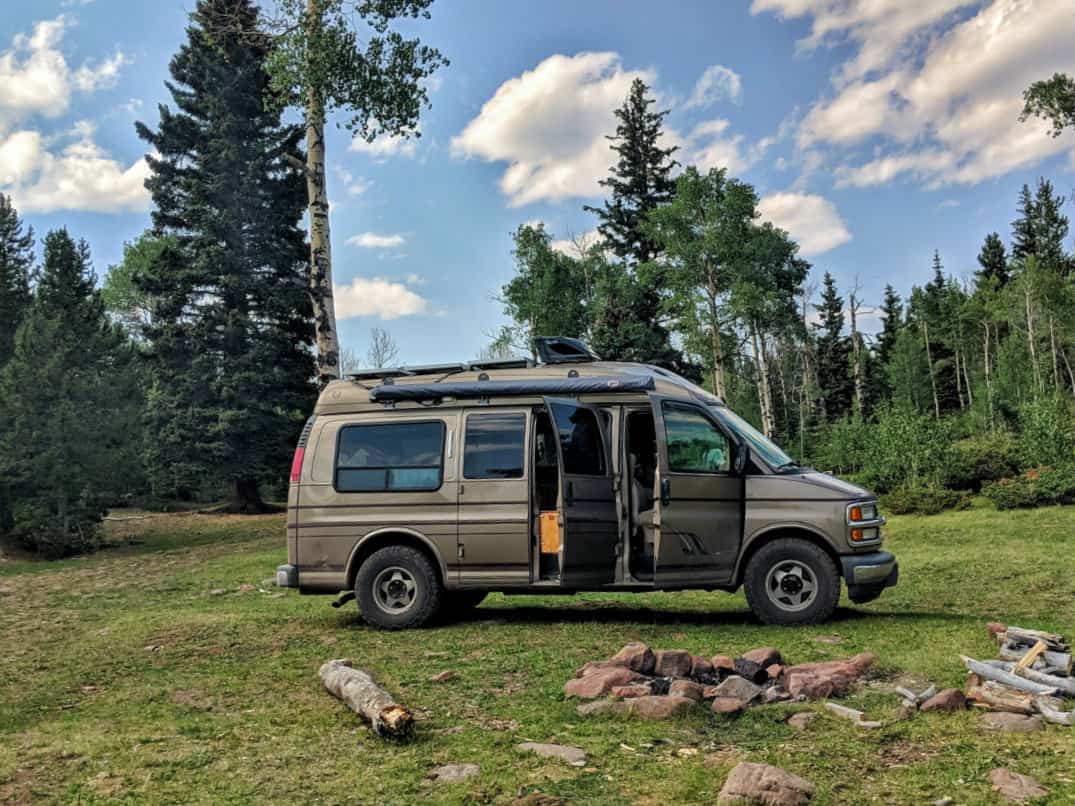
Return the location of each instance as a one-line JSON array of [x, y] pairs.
[[1032, 674]]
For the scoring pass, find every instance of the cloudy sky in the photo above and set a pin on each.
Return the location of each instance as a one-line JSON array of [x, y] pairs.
[[874, 130]]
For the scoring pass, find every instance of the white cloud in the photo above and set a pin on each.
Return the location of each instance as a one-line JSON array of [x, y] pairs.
[[354, 185], [373, 240], [377, 297], [576, 245], [717, 83], [82, 176], [385, 146], [938, 96], [811, 220], [36, 78], [550, 125]]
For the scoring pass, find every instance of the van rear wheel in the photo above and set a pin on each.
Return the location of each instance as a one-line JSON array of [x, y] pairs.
[[792, 581], [397, 587]]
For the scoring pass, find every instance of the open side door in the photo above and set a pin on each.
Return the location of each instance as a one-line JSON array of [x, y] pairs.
[[699, 505], [589, 524]]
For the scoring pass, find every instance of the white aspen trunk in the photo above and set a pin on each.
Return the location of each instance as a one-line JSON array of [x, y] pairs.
[[932, 378], [988, 373], [358, 689], [763, 382], [1052, 346], [856, 354], [719, 388], [1031, 339], [966, 380], [959, 382]]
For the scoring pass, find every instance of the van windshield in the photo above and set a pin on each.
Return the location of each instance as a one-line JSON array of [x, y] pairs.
[[759, 443]]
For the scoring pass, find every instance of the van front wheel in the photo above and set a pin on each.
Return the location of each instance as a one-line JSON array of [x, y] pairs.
[[791, 581], [398, 587]]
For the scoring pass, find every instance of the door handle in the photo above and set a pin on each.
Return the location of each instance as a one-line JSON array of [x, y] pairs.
[[666, 492], [569, 494]]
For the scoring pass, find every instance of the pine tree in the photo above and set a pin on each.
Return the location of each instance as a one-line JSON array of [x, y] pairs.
[[16, 260], [229, 339], [993, 260], [1023, 229], [1050, 229], [833, 353], [71, 406], [630, 327]]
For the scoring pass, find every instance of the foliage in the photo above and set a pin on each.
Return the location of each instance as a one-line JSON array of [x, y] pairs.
[[923, 500], [228, 342], [975, 461], [16, 262], [71, 402], [833, 352], [908, 449], [1038, 486], [1047, 431], [1053, 100], [123, 298]]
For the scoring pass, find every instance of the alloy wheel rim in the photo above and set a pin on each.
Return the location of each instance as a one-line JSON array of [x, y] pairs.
[[791, 586], [395, 590]]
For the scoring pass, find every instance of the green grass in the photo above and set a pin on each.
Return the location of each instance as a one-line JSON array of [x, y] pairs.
[[123, 679]]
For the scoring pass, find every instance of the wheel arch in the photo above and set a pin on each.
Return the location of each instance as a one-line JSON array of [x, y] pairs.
[[779, 532], [393, 536]]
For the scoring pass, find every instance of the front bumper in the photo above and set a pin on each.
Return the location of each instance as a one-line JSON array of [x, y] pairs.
[[287, 576], [867, 575]]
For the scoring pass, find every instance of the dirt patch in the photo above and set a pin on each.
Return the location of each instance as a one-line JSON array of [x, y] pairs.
[[905, 754], [193, 698]]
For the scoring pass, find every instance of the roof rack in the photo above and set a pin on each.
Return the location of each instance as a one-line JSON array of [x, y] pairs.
[[377, 373], [502, 363], [382, 373], [390, 393]]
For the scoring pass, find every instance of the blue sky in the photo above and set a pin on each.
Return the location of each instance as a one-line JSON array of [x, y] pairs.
[[875, 131]]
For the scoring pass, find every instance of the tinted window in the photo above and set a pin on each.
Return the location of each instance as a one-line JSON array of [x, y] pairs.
[[386, 458], [494, 446], [580, 440], [695, 445]]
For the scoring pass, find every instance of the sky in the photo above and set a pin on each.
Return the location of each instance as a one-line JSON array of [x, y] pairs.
[[875, 132]]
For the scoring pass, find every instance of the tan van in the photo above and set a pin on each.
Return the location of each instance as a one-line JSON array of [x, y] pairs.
[[422, 489]]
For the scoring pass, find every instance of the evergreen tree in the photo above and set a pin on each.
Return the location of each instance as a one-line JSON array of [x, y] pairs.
[[229, 337], [16, 260], [833, 353], [1050, 229], [641, 181], [71, 407], [1023, 229], [993, 260], [880, 386]]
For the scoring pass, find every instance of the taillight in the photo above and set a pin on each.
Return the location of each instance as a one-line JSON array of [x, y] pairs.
[[296, 464]]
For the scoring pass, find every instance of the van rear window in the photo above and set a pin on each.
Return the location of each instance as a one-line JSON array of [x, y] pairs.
[[494, 447], [401, 457]]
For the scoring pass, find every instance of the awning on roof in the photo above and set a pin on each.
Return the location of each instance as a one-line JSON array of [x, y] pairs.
[[389, 393]]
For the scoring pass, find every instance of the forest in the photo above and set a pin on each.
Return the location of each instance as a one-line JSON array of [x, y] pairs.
[[183, 375]]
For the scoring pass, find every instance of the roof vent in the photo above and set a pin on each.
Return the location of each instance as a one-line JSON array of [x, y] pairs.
[[563, 350]]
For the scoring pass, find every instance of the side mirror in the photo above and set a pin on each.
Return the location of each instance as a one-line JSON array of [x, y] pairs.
[[742, 456]]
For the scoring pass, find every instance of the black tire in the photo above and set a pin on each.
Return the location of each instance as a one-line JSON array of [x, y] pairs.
[[391, 571], [776, 601]]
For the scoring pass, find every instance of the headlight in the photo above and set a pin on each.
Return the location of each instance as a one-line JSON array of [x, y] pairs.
[[857, 513]]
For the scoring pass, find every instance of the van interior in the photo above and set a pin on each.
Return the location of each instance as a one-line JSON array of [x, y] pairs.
[[546, 495]]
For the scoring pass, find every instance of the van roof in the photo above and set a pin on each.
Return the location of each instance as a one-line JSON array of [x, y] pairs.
[[354, 395]]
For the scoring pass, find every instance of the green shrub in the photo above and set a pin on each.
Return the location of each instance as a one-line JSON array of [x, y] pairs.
[[1048, 432], [906, 450], [1037, 487], [924, 500], [975, 461]]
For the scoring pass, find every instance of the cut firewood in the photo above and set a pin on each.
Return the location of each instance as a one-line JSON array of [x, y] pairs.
[[997, 697], [1054, 715], [1014, 652], [1025, 637], [376, 706], [1031, 656], [1065, 685], [988, 672]]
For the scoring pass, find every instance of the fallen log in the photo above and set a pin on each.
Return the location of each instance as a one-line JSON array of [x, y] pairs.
[[357, 688], [987, 672], [996, 697], [1065, 685], [1054, 715], [1011, 651], [1023, 636]]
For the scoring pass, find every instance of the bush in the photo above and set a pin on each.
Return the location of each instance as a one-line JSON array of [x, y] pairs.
[[975, 461], [924, 500], [907, 450], [1048, 432], [1037, 487]]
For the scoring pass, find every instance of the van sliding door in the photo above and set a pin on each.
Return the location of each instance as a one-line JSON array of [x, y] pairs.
[[589, 526]]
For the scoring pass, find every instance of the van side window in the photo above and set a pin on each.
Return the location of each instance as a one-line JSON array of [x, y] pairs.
[[401, 457], [695, 445], [580, 440], [494, 446]]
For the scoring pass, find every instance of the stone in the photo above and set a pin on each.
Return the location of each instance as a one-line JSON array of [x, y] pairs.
[[630, 691], [774, 670], [686, 688], [752, 671], [598, 707], [1010, 723], [763, 656], [654, 707], [774, 694], [700, 666], [673, 663], [995, 629], [575, 756], [727, 705], [443, 677], [1014, 787], [453, 773], [750, 783], [943, 802], [637, 657], [217, 592], [801, 720], [719, 662], [907, 710], [737, 688], [246, 587], [948, 700], [599, 682], [816, 681], [597, 665]]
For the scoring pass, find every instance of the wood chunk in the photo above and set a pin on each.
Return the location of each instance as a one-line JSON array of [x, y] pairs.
[[376, 706], [999, 675], [1000, 698], [1021, 635]]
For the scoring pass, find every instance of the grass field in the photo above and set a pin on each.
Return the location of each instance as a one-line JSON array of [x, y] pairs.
[[124, 679]]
